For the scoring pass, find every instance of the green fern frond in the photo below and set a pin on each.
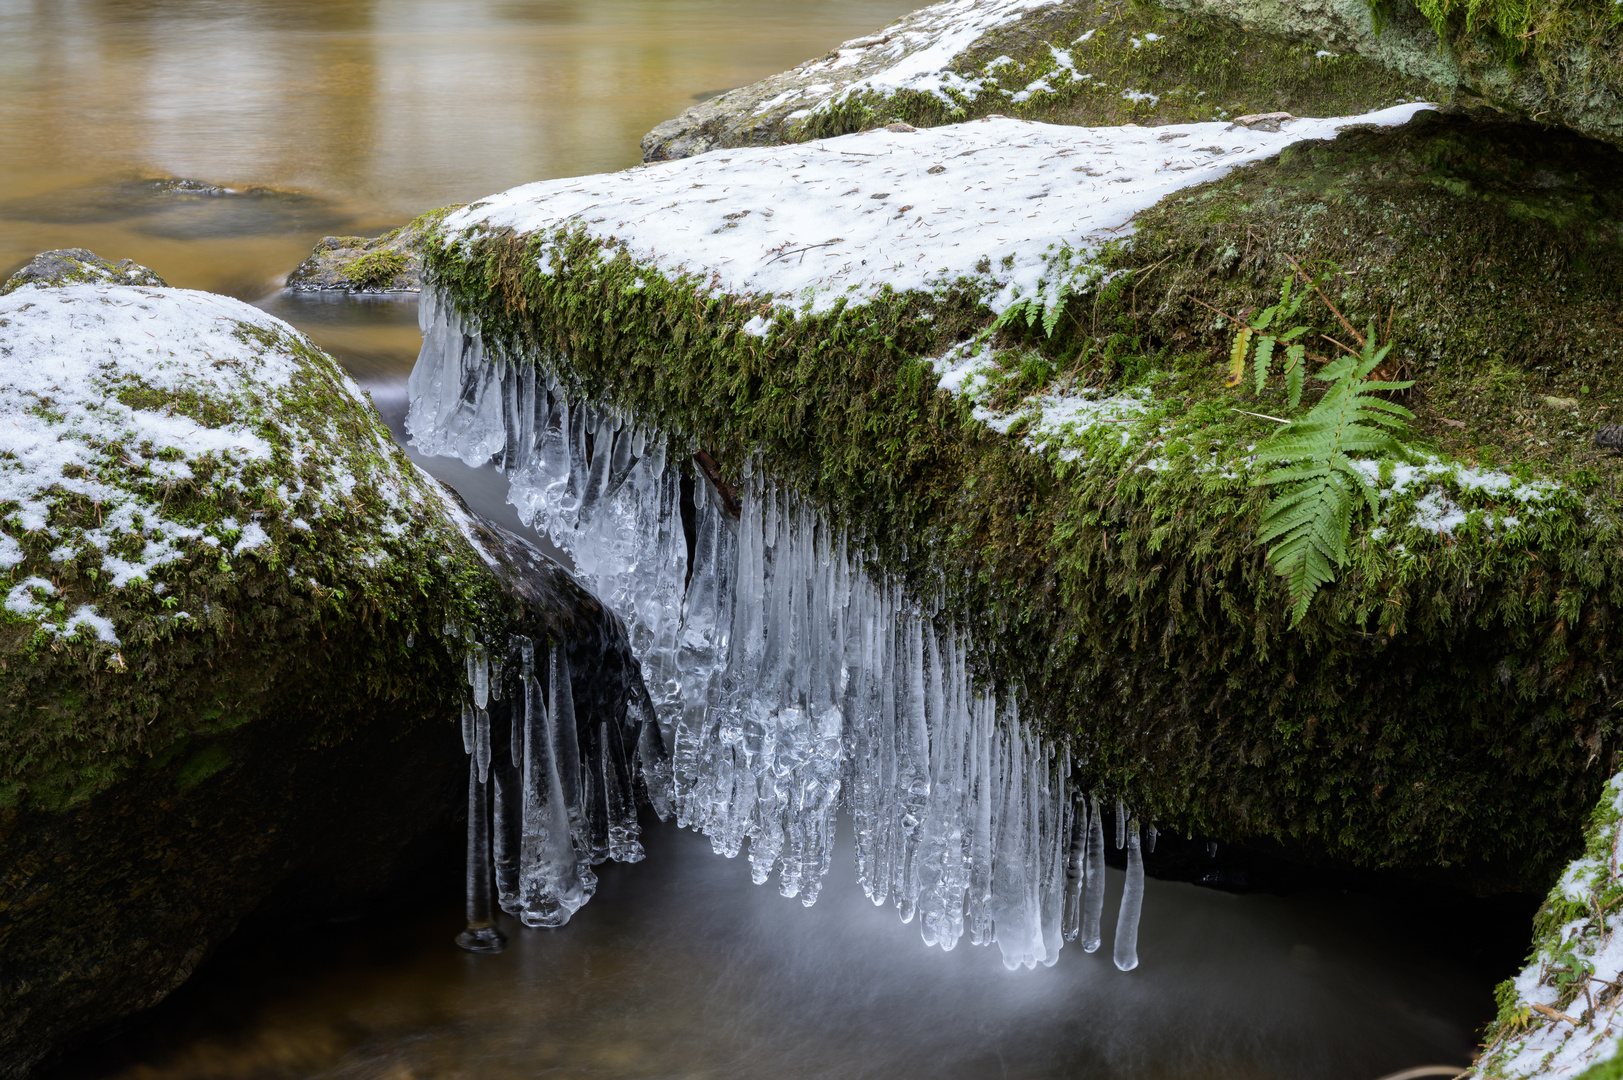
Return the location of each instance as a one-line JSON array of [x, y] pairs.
[[1309, 522]]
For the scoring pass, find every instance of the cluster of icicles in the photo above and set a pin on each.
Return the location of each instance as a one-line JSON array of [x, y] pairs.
[[787, 682], [551, 790]]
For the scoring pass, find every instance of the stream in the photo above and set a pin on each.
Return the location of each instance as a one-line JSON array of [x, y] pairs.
[[288, 120]]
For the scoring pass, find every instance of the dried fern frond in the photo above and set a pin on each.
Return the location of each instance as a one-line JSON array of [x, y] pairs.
[[1310, 521]]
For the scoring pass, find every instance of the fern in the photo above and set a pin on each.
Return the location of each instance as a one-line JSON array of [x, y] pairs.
[[1309, 522], [1264, 329]]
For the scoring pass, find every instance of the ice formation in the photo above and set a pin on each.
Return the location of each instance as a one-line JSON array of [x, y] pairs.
[[789, 679], [551, 788]]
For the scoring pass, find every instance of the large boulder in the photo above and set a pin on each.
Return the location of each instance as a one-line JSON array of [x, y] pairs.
[[1012, 396], [1086, 62], [1108, 62], [232, 641]]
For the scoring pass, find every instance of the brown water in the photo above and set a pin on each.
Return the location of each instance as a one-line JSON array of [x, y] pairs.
[[362, 113], [345, 116]]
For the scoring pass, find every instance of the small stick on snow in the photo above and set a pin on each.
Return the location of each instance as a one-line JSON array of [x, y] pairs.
[[1553, 1014]]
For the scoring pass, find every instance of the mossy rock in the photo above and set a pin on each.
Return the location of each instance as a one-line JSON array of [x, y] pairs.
[[1083, 62], [388, 263], [231, 643], [1443, 709], [1556, 62]]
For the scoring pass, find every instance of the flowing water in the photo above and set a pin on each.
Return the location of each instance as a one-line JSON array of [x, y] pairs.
[[293, 119], [682, 968]]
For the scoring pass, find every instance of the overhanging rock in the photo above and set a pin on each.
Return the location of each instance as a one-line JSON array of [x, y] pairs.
[[1076, 504]]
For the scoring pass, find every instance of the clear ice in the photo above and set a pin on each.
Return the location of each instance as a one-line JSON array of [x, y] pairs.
[[788, 681]]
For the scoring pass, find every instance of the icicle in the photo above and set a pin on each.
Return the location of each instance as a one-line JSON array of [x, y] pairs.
[[481, 934], [1093, 897], [479, 676], [1132, 900], [481, 743], [1211, 849], [787, 679], [467, 729], [1075, 869], [1150, 836], [552, 883]]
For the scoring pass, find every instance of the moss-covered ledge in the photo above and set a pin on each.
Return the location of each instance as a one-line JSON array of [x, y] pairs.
[[1445, 705], [232, 617], [1085, 62]]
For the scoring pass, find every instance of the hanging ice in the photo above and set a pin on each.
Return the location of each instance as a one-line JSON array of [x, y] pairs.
[[1132, 900], [787, 680]]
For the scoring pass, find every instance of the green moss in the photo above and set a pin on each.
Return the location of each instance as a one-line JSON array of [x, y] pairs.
[[1444, 703], [1610, 1069], [338, 612], [200, 766], [1133, 63], [374, 270]]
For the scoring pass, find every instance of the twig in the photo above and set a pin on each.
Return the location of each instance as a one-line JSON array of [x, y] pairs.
[[801, 250], [1339, 344], [1219, 311], [729, 494], [1351, 329], [1553, 1014], [1261, 416]]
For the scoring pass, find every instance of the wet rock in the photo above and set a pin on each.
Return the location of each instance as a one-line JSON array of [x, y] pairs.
[[388, 263], [231, 645], [76, 266]]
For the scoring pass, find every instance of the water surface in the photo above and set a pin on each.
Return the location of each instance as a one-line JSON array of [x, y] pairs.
[[345, 115], [682, 968]]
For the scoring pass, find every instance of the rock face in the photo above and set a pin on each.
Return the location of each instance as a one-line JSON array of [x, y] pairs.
[[1556, 64], [388, 263], [1102, 62], [1087, 62], [230, 642]]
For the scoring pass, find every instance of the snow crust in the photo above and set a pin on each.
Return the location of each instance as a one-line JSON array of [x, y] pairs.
[[910, 54], [66, 354], [1554, 1047], [813, 223]]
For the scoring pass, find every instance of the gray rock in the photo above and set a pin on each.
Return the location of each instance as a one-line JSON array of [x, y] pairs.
[[1189, 60], [76, 266], [1092, 62], [388, 263]]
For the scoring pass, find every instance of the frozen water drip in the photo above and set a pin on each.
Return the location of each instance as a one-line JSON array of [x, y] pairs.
[[788, 679]]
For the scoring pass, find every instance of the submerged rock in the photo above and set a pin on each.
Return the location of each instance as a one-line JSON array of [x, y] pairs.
[[388, 263], [231, 643], [76, 266]]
